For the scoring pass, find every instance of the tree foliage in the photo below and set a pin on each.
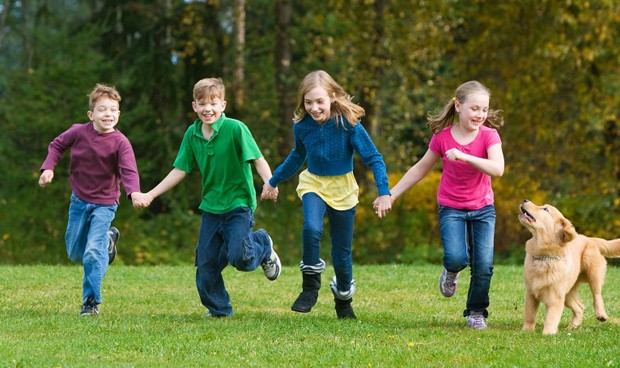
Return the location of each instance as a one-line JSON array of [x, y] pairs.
[[551, 66]]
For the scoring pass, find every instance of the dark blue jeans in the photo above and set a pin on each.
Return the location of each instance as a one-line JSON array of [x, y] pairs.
[[224, 239], [341, 231], [468, 239]]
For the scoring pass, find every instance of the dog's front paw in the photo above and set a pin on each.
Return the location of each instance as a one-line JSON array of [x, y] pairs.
[[602, 317], [528, 327], [550, 331]]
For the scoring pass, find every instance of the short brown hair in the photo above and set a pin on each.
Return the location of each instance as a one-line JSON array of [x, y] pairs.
[[209, 88], [101, 90]]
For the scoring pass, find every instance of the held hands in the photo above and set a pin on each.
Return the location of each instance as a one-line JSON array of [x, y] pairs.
[[46, 178], [382, 205], [141, 200], [269, 192]]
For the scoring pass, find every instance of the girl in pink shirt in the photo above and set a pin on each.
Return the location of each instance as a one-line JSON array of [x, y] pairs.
[[471, 151]]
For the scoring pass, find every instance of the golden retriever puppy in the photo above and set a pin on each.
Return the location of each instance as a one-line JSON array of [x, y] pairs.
[[557, 261]]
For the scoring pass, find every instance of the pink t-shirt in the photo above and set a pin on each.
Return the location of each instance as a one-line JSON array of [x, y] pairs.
[[462, 186]]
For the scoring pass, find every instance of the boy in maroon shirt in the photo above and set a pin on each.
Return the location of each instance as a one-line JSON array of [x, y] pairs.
[[101, 157]]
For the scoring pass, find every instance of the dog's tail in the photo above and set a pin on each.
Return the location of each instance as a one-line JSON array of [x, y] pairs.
[[609, 248]]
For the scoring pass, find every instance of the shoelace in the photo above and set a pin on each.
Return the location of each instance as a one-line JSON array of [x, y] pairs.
[[451, 277]]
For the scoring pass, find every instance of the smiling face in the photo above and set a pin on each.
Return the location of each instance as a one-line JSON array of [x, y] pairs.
[[209, 110], [473, 111], [318, 104], [104, 114]]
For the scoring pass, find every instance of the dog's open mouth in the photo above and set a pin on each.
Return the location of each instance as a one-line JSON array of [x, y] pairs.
[[526, 215]]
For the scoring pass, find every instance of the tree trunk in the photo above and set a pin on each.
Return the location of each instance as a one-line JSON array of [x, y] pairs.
[[239, 71], [286, 91], [3, 16], [374, 111]]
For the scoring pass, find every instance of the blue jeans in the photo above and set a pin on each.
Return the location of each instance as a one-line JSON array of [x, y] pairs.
[[467, 238], [87, 242], [341, 231], [224, 239]]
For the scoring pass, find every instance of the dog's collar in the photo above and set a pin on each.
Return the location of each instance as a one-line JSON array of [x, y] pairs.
[[547, 258]]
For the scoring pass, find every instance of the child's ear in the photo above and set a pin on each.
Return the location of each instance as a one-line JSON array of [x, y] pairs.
[[89, 114]]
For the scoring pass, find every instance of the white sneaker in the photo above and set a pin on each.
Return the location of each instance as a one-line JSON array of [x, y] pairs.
[[448, 283], [272, 266], [477, 321]]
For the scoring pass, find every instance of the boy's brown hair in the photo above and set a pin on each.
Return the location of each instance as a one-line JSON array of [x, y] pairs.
[[209, 88], [101, 90]]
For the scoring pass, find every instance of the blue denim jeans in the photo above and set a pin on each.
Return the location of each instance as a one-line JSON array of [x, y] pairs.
[[340, 230], [224, 239], [87, 242], [468, 239]]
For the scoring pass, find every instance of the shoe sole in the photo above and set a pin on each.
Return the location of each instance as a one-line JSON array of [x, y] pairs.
[[112, 253], [276, 261]]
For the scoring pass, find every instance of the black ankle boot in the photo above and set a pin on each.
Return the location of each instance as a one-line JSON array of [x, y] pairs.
[[344, 310], [310, 292]]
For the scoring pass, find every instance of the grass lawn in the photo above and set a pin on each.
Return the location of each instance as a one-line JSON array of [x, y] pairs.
[[152, 317]]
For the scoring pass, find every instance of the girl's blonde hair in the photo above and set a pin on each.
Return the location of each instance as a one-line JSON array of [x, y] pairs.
[[342, 106], [446, 117], [101, 90]]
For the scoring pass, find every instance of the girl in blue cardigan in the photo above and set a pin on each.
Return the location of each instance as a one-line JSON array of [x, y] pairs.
[[327, 131]]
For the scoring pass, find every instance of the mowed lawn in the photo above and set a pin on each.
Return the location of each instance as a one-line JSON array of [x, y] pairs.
[[152, 317]]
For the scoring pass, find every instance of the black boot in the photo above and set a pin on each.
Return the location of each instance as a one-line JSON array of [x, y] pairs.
[[310, 292], [344, 310]]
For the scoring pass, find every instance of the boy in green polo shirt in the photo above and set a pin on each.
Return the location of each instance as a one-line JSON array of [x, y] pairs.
[[223, 149]]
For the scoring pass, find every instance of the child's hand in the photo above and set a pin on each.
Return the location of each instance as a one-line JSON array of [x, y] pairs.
[[46, 178], [454, 154], [141, 200], [269, 192], [382, 205]]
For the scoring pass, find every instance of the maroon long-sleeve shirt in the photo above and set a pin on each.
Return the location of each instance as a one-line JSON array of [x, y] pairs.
[[99, 162]]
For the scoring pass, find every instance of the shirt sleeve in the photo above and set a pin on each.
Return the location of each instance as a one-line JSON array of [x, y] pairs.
[[492, 138], [362, 143], [58, 146], [435, 145], [128, 168], [249, 147], [293, 161], [185, 160]]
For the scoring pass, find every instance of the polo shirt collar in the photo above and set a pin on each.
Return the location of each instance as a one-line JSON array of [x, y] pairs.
[[215, 126]]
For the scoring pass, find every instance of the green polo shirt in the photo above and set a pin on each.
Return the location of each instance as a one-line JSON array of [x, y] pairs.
[[224, 162]]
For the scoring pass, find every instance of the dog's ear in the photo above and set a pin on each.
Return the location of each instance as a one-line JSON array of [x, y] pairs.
[[567, 232]]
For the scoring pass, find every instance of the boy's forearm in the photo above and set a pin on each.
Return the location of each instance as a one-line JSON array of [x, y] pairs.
[[263, 169], [171, 180]]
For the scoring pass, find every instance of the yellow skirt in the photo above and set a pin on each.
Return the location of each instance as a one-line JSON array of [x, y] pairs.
[[339, 192]]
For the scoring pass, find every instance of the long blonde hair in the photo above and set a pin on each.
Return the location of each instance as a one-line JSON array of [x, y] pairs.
[[446, 117], [342, 104]]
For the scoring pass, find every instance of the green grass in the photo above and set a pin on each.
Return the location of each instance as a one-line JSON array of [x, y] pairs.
[[152, 317]]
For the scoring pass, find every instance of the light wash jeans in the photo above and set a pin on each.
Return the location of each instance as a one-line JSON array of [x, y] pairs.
[[341, 231], [224, 239], [87, 242], [468, 239]]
